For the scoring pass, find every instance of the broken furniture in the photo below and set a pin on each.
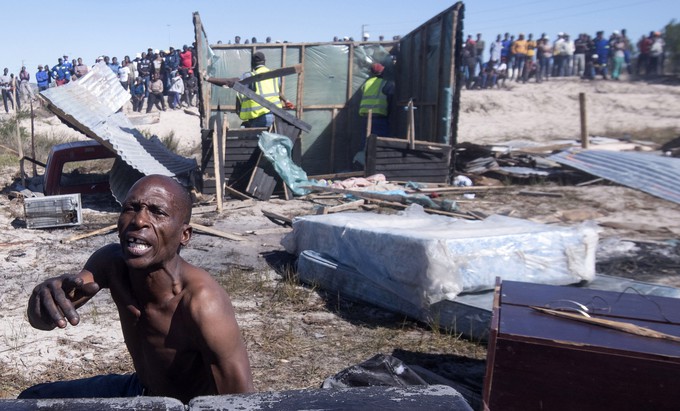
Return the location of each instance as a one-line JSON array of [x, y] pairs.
[[539, 361]]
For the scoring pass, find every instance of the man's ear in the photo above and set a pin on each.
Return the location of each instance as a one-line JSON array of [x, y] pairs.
[[187, 230]]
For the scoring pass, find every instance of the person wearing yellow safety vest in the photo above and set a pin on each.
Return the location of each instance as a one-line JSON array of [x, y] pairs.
[[376, 93], [251, 112]]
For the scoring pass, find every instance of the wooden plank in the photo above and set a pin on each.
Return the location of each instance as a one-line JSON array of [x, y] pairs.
[[353, 205], [208, 230], [540, 194], [472, 189], [218, 154], [427, 210], [236, 193], [405, 164], [245, 133], [403, 144], [204, 88], [412, 174], [388, 155], [244, 150], [272, 107], [203, 209], [370, 155], [103, 230], [300, 97], [278, 218], [279, 72], [334, 116]]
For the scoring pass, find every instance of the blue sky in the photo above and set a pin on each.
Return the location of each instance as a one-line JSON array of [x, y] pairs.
[[38, 32]]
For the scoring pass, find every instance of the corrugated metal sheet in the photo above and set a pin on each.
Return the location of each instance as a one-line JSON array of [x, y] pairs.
[[91, 105], [653, 174]]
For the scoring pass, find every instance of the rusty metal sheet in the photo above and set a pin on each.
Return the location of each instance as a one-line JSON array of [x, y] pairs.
[[651, 173]]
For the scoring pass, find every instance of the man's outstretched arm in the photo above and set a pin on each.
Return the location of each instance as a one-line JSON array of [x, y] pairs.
[[53, 303]]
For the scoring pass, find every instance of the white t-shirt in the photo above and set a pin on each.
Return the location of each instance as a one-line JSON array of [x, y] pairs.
[[123, 73]]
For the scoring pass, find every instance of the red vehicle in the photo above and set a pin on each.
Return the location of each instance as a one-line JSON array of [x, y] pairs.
[[78, 167]]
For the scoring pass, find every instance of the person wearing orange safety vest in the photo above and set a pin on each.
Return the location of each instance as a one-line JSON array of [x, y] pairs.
[[375, 95], [251, 112]]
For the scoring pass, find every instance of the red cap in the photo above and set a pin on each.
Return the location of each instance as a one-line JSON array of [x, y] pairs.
[[377, 68]]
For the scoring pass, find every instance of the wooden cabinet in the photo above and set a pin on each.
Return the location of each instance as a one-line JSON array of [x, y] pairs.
[[537, 361]]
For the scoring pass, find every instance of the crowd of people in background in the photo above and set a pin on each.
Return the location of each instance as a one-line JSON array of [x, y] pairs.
[[154, 76], [522, 59]]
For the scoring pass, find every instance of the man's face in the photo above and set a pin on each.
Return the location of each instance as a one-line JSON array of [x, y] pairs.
[[151, 225], [80, 60]]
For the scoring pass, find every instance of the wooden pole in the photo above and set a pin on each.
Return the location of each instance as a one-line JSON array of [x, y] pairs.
[[218, 136], [35, 170], [584, 120], [16, 118]]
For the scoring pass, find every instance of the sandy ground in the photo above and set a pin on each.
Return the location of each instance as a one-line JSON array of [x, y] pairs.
[[539, 113]]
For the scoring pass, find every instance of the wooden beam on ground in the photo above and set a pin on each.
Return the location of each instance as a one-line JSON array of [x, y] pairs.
[[427, 210], [589, 182], [278, 218], [208, 230], [237, 193], [103, 230], [267, 231], [357, 193], [203, 209], [470, 189], [540, 194], [353, 205]]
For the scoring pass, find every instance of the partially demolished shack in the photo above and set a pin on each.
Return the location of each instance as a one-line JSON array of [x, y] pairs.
[[326, 95]]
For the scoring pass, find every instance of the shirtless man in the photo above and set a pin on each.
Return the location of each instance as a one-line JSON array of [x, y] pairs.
[[178, 322]]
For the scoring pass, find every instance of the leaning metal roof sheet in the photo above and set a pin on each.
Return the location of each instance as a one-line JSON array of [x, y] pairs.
[[651, 173], [92, 104]]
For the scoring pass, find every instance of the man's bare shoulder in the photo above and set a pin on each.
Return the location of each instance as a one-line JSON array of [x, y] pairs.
[[204, 296], [200, 283]]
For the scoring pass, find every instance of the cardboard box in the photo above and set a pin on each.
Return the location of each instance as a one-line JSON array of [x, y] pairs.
[[537, 361]]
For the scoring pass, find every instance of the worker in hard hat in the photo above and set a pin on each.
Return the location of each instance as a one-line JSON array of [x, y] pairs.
[[376, 94], [251, 112]]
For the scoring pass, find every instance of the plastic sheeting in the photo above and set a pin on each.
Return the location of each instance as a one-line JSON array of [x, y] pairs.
[[428, 258], [277, 149]]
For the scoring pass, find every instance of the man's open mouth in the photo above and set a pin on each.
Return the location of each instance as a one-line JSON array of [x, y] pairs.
[[137, 246]]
